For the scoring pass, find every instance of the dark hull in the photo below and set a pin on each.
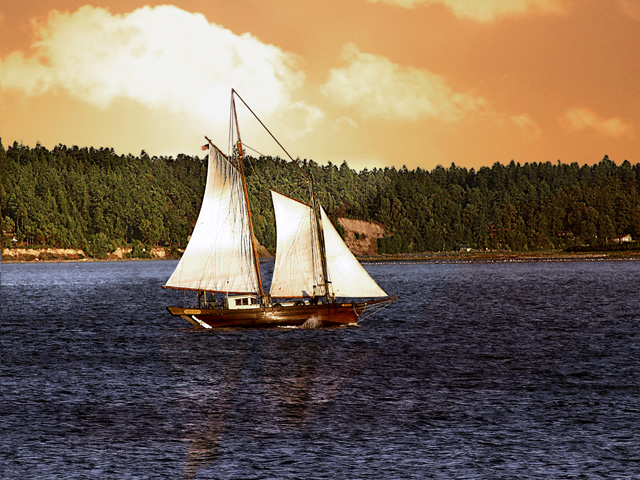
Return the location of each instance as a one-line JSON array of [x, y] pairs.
[[325, 315]]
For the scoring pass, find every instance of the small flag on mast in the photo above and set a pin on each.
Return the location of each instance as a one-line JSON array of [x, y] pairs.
[[205, 146]]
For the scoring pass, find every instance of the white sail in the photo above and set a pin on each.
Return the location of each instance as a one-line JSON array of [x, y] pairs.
[[348, 276], [219, 256], [297, 267]]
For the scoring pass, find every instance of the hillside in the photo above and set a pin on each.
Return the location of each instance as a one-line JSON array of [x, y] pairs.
[[95, 200]]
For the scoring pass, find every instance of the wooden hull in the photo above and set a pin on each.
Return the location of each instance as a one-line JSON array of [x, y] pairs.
[[323, 315]]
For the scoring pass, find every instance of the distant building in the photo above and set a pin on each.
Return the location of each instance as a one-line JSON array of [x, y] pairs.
[[625, 238]]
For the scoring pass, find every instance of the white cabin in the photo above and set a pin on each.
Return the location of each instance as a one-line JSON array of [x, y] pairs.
[[241, 302]]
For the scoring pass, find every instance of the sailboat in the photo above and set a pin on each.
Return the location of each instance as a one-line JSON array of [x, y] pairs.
[[315, 277]]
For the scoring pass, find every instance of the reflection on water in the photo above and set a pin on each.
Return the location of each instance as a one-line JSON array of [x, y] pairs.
[[275, 384], [212, 402]]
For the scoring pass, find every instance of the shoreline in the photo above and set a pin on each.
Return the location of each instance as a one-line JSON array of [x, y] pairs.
[[56, 255], [48, 255], [501, 257]]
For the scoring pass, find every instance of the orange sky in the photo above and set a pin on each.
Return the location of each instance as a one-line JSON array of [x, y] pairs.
[[373, 82]]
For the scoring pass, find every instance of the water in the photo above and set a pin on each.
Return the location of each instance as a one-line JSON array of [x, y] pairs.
[[480, 371]]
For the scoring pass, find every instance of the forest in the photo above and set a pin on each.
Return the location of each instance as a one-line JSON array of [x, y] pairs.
[[97, 200]]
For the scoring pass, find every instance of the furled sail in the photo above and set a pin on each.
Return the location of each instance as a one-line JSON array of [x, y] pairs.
[[298, 268], [219, 256]]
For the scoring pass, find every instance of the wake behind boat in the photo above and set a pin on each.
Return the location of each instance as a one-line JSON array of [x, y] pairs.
[[313, 270]]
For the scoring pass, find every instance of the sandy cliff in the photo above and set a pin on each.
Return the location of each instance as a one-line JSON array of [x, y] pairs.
[[361, 236]]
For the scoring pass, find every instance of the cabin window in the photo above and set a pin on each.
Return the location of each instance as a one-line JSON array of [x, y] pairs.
[[238, 301], [245, 301], [254, 301]]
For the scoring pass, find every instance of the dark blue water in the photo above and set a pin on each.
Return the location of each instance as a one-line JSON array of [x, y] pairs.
[[479, 371]]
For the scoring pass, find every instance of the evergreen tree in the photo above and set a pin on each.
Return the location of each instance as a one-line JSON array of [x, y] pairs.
[[97, 200]]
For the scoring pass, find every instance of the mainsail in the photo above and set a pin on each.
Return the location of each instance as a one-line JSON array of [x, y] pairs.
[[298, 268], [219, 256]]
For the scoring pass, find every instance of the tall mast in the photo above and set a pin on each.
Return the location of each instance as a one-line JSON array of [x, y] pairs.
[[315, 205], [246, 193]]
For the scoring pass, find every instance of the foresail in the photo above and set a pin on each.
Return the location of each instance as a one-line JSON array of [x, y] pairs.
[[219, 256], [348, 277], [297, 267]]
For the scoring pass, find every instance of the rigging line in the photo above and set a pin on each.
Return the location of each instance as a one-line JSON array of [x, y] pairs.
[[253, 160], [373, 310], [233, 92], [251, 148], [266, 157], [293, 185]]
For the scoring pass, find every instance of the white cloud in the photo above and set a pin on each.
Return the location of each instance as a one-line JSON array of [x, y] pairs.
[[299, 119], [159, 57], [578, 119], [486, 10], [344, 120], [527, 124], [27, 74], [380, 88]]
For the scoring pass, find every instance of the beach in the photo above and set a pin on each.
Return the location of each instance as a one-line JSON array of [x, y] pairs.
[[11, 255]]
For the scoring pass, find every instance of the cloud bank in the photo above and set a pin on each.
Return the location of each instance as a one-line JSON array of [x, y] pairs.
[[160, 57], [380, 88], [579, 119], [527, 125], [486, 10]]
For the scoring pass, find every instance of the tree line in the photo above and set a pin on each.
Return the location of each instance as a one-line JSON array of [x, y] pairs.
[[97, 200]]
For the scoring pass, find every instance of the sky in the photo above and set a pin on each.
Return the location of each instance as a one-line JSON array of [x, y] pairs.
[[375, 83]]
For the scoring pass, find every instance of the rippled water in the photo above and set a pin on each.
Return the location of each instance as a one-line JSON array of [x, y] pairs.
[[479, 371]]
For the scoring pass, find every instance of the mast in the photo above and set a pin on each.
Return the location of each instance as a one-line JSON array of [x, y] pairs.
[[315, 205], [246, 194]]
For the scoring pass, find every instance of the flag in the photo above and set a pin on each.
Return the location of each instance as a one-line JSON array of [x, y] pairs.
[[205, 147]]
